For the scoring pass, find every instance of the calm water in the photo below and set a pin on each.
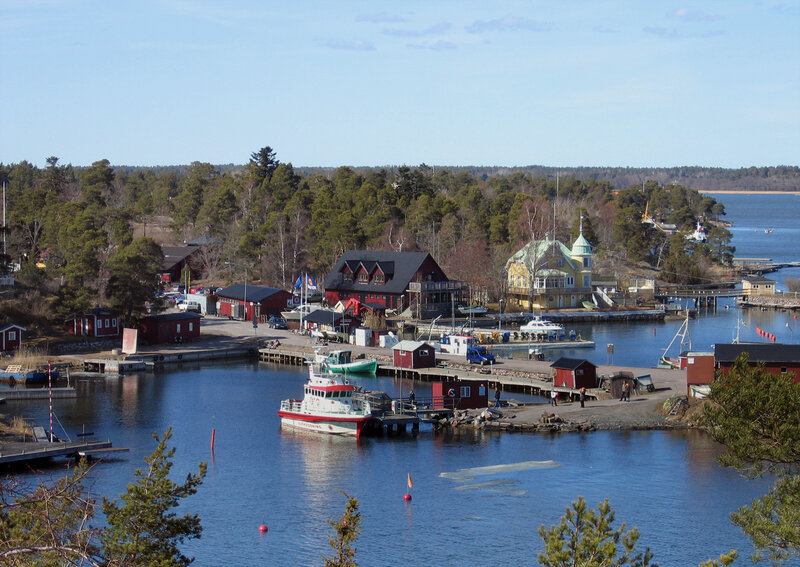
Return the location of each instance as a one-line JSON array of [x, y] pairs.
[[665, 483], [463, 513]]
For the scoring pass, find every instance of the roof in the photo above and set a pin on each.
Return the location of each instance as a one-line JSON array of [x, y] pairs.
[[174, 255], [581, 246], [398, 267], [759, 352], [182, 316], [756, 278], [323, 316], [565, 363], [538, 252], [410, 345], [4, 328], [203, 241], [256, 293], [97, 312]]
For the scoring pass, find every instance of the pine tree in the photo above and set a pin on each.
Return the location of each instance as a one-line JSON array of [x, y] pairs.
[[345, 533], [145, 530]]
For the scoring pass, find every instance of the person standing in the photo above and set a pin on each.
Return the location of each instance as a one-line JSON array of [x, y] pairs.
[[411, 397], [583, 395], [497, 397], [554, 398]]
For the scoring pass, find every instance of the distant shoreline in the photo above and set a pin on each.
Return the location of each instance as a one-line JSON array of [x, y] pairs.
[[748, 192]]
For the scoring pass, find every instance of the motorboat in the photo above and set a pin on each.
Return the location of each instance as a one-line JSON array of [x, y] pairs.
[[540, 326], [330, 405], [472, 309], [301, 310], [341, 362]]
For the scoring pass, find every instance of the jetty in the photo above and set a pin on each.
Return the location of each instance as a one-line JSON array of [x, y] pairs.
[[16, 452]]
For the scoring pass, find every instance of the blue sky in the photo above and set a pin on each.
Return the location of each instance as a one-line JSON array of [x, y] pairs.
[[510, 83]]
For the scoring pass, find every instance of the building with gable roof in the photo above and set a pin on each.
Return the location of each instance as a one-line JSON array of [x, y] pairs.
[[396, 280], [545, 274], [251, 302]]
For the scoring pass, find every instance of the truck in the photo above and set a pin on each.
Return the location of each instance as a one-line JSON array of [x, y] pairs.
[[479, 355]]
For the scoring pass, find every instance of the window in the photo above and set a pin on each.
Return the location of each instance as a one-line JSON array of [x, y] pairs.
[[99, 323], [114, 322], [363, 277], [423, 352], [379, 278], [559, 262], [178, 328], [579, 372], [784, 370], [12, 335], [587, 262], [570, 281], [191, 326], [585, 281], [465, 391]]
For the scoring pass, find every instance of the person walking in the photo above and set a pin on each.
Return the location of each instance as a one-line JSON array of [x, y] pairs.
[[411, 397], [583, 395], [554, 398], [497, 398]]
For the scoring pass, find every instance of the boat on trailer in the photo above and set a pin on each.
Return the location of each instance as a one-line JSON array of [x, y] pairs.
[[330, 405]]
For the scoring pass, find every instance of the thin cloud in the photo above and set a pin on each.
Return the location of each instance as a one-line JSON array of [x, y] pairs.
[[440, 45], [509, 24], [348, 45], [435, 29], [604, 29], [686, 15], [382, 18]]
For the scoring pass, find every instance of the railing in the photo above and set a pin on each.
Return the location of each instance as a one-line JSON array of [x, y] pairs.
[[449, 285]]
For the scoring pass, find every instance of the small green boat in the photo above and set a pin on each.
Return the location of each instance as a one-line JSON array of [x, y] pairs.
[[341, 362]]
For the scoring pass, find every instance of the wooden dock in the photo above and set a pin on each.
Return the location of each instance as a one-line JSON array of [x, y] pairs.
[[20, 452], [36, 394]]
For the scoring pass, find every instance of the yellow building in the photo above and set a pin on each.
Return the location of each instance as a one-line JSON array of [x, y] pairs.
[[545, 274], [757, 285]]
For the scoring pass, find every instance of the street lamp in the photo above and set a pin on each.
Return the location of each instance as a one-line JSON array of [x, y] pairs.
[[502, 301]]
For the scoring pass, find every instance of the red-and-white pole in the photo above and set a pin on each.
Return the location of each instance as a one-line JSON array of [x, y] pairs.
[[50, 395], [213, 435]]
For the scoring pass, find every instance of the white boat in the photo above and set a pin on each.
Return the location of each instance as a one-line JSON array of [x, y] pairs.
[[329, 405], [473, 310], [341, 362], [301, 310], [541, 326]]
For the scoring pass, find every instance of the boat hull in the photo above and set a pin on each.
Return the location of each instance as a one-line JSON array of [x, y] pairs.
[[359, 367], [347, 427]]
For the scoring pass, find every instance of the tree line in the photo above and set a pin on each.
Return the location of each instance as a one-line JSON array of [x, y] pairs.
[[84, 226]]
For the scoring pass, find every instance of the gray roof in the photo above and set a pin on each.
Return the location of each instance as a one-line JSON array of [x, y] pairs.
[[569, 363], [173, 255], [759, 352], [398, 267], [183, 316], [256, 293], [323, 316], [410, 345]]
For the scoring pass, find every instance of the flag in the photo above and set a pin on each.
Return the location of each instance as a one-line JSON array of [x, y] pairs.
[[410, 484], [299, 282], [311, 283]]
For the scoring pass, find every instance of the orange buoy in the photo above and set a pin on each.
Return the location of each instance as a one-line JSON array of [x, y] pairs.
[[407, 497], [263, 528]]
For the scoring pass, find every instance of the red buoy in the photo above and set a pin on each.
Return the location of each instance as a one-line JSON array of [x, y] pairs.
[[262, 528], [407, 497]]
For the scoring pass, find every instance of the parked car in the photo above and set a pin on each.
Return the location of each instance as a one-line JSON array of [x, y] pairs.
[[277, 323], [479, 355], [189, 306]]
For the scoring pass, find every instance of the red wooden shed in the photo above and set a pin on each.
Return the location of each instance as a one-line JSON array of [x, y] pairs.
[[248, 302], [414, 354], [460, 394], [99, 322], [170, 328], [11, 337], [574, 373]]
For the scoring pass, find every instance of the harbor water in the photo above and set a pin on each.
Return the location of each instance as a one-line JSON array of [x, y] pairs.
[[478, 497]]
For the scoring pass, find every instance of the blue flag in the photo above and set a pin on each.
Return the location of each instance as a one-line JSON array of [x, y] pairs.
[[311, 283], [299, 282]]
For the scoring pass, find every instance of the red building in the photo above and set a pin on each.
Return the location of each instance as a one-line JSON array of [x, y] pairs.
[[98, 322], [574, 373], [396, 280], [777, 358], [248, 302], [460, 394], [699, 373], [176, 258], [169, 328], [414, 354], [11, 337]]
